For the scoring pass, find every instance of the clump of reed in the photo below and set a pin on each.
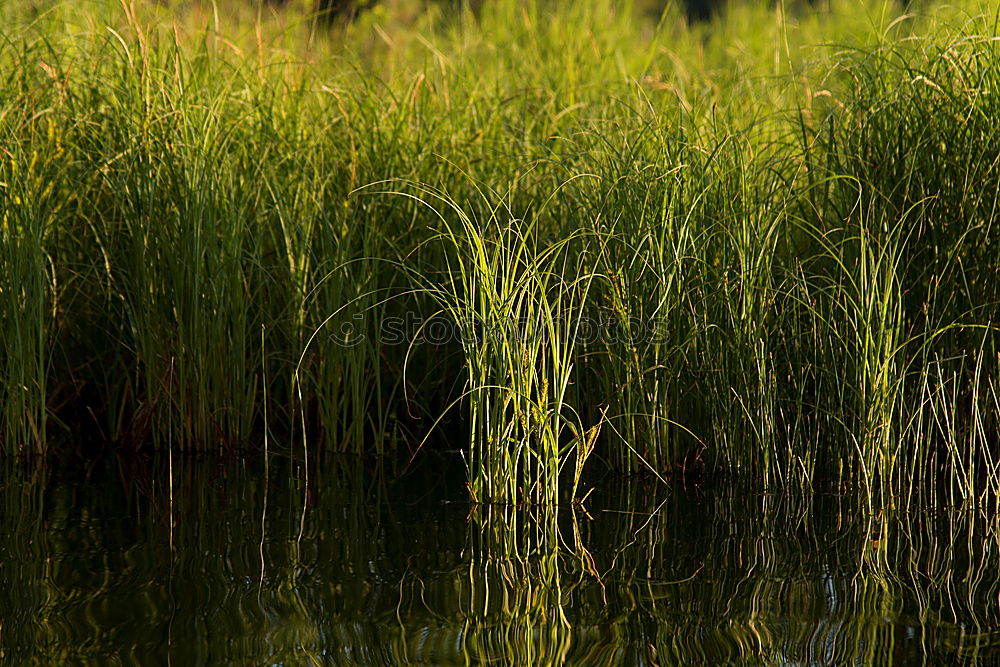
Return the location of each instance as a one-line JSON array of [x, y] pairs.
[[516, 299]]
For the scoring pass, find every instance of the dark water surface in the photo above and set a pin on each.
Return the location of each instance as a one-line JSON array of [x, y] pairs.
[[111, 564]]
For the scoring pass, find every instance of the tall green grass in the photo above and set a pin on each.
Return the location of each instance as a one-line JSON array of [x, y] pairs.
[[767, 251]]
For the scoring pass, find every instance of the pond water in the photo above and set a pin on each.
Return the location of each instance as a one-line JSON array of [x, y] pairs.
[[207, 561]]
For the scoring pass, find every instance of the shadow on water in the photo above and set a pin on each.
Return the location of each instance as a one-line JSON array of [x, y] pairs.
[[114, 564]]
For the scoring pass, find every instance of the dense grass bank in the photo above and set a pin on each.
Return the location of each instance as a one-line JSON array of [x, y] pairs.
[[764, 246]]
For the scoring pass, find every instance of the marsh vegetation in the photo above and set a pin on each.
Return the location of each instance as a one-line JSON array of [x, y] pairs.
[[555, 240], [779, 238]]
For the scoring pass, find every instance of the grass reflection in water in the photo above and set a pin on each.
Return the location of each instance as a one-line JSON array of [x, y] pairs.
[[100, 565]]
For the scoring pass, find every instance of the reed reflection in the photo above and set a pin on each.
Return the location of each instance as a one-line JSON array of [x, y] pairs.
[[364, 567]]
